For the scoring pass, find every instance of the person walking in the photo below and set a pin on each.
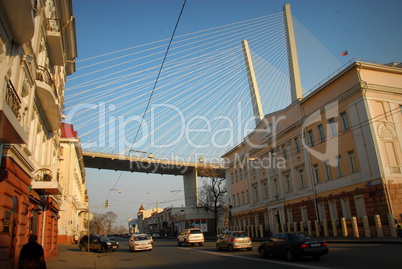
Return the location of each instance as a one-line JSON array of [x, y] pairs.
[[32, 255], [76, 239]]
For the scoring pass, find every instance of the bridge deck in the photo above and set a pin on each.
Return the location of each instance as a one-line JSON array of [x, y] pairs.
[[148, 165]]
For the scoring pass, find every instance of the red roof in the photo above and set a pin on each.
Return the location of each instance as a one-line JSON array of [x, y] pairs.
[[67, 131]]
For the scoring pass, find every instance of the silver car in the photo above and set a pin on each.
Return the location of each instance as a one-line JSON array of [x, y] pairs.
[[232, 240], [140, 242]]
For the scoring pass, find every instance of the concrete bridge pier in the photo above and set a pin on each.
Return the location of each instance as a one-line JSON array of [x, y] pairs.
[[190, 182]]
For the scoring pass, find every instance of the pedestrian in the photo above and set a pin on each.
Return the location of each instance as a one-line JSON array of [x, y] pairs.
[[399, 230], [32, 255], [76, 239]]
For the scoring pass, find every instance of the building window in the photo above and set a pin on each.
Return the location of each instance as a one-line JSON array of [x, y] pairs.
[[345, 124], [238, 200], [272, 154], [247, 196], [321, 133], [265, 190], [256, 193], [304, 214], [290, 215], [231, 178], [360, 206], [301, 178], [332, 210], [276, 187], [327, 167], [287, 180], [316, 173], [284, 151], [240, 174], [345, 208], [234, 201], [321, 211], [311, 138], [332, 126], [339, 165], [352, 161], [297, 145], [243, 202]]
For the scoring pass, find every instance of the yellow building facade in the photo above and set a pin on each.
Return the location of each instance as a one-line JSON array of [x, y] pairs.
[[328, 164], [37, 52], [74, 205]]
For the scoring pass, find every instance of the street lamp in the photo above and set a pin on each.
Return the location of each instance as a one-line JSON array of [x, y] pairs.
[[119, 191]]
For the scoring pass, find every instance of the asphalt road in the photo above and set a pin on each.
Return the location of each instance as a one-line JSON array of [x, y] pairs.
[[166, 254]]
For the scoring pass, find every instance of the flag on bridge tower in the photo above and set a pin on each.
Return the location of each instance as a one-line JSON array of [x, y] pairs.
[[344, 53]]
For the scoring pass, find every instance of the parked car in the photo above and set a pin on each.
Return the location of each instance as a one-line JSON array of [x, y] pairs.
[[156, 235], [191, 236], [293, 246], [140, 242], [232, 240], [98, 243], [110, 236]]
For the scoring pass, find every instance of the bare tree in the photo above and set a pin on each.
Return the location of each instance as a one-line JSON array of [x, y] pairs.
[[109, 219], [213, 196], [97, 224], [121, 229]]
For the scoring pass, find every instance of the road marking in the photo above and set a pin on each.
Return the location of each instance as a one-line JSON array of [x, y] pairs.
[[260, 259]]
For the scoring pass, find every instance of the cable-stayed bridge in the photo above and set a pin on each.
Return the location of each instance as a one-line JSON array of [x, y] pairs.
[[200, 106]]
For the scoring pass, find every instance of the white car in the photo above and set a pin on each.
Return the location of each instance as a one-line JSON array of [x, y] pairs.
[[190, 236], [140, 242]]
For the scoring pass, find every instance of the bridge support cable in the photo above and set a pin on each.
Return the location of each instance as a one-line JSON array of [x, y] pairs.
[[153, 89], [204, 86]]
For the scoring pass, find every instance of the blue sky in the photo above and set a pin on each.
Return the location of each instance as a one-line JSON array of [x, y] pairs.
[[369, 30]]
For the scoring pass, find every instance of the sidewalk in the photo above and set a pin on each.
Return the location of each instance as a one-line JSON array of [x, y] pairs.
[[71, 257]]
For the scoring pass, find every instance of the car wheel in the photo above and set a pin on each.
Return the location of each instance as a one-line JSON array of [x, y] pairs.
[[230, 248], [289, 255], [249, 249], [201, 244], [263, 253], [185, 242], [102, 249], [218, 248], [114, 250], [84, 249], [178, 243]]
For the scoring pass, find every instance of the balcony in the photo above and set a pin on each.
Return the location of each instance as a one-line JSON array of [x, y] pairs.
[[54, 39], [45, 88], [44, 183], [20, 16], [11, 131]]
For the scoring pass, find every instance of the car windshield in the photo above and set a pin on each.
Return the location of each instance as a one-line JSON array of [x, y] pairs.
[[300, 237], [104, 239], [195, 231], [240, 234], [142, 237]]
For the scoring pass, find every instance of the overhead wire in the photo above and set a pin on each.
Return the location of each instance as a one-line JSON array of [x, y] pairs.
[[153, 89]]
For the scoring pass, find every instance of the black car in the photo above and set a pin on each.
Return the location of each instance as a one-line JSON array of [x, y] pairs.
[[292, 246], [98, 243]]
